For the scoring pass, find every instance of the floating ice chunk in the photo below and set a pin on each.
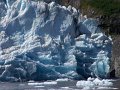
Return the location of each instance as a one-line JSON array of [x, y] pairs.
[[92, 83], [87, 88], [35, 84], [102, 82], [62, 80], [31, 81], [82, 84], [43, 83], [50, 83], [107, 88], [66, 88]]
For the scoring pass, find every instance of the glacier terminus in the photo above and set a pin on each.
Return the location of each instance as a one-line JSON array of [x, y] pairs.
[[44, 41]]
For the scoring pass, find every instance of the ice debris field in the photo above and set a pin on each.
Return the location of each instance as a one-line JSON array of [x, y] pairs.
[[67, 84], [47, 41]]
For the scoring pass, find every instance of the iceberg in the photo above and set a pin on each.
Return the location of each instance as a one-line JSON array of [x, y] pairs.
[[92, 84], [44, 41]]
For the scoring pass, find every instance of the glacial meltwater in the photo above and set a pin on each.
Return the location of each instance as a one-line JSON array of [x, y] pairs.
[[56, 85]]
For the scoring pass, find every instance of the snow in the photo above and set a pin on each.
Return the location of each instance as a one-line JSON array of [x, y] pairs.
[[44, 41]]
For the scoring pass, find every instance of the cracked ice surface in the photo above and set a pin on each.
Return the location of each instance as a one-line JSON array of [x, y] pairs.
[[41, 41]]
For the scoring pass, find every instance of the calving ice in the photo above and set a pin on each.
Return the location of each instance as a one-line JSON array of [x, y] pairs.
[[43, 41]]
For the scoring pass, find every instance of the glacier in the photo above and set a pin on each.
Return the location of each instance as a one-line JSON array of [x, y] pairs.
[[44, 41]]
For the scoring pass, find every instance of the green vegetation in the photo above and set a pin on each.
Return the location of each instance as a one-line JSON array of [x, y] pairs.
[[107, 10], [108, 7]]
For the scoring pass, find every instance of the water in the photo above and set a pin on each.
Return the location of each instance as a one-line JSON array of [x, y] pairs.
[[61, 85], [116, 84], [25, 86]]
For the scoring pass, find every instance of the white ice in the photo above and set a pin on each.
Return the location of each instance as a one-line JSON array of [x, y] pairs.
[[96, 84]]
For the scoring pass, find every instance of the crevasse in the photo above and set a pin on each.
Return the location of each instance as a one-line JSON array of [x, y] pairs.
[[42, 41]]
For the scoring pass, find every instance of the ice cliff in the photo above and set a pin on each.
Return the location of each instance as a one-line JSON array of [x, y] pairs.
[[41, 41]]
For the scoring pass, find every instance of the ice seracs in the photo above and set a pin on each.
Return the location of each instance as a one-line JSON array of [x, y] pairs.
[[42, 41]]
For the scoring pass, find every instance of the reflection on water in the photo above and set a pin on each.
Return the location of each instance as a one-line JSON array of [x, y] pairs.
[[61, 85]]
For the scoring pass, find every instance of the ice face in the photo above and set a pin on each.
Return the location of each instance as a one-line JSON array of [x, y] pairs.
[[41, 41]]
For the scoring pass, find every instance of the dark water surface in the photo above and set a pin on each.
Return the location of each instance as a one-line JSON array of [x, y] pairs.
[[66, 85]]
